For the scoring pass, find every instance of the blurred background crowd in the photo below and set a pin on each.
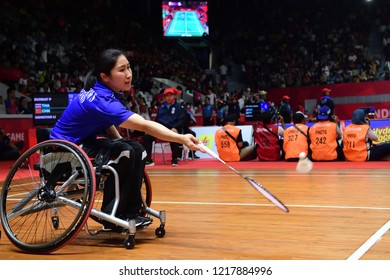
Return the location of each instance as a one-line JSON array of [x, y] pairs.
[[254, 45]]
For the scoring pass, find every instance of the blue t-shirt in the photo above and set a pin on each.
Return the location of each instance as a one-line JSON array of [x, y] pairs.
[[208, 110], [171, 116], [90, 114]]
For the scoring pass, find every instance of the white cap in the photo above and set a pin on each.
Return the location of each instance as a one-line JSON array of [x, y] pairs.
[[299, 112]]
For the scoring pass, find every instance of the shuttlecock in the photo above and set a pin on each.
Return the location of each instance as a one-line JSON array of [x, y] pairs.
[[304, 165]]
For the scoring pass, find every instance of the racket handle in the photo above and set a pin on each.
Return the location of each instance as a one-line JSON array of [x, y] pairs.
[[208, 151]]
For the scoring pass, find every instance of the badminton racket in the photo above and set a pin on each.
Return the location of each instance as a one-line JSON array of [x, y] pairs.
[[256, 185]]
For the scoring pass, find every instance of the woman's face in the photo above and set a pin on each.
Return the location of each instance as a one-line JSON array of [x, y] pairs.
[[121, 75]]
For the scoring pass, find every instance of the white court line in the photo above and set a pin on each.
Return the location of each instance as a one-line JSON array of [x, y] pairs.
[[267, 174], [355, 256], [370, 242], [352, 175], [270, 205], [358, 253]]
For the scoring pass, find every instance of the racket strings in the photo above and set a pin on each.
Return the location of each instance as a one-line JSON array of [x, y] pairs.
[[251, 181]]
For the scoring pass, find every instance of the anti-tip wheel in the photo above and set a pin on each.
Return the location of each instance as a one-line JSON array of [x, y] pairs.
[[129, 243], [160, 232]]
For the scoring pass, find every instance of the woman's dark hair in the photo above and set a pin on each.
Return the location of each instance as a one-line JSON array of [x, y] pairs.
[[104, 63]]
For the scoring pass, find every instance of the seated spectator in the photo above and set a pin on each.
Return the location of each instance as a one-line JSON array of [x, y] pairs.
[[267, 136], [24, 106], [324, 136], [11, 104], [358, 138], [295, 138], [144, 111], [2, 106], [136, 135], [229, 142], [9, 150], [171, 115]]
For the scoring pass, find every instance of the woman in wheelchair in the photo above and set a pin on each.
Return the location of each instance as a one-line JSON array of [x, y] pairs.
[[98, 109]]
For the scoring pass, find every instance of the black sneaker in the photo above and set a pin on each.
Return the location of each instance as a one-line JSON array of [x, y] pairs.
[[192, 156], [107, 226], [149, 163], [141, 221], [174, 162]]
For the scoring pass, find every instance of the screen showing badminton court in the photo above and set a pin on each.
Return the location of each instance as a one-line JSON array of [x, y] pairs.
[[185, 18]]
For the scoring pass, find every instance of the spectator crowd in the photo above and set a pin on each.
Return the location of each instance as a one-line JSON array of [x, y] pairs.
[[47, 46]]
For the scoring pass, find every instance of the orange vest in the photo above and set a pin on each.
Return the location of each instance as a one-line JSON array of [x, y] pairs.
[[355, 143], [226, 146], [294, 142], [323, 141]]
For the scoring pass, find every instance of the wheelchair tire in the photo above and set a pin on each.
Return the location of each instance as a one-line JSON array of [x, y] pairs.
[[47, 196]]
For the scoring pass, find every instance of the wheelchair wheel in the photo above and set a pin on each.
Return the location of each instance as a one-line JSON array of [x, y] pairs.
[[47, 196]]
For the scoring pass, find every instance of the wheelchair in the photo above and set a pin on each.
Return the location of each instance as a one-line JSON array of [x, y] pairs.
[[51, 192]]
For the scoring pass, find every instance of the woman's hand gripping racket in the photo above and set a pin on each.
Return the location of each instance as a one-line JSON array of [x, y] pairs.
[[253, 183]]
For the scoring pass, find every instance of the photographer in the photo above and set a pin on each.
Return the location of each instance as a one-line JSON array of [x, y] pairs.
[[295, 138], [358, 138], [324, 138], [230, 144], [268, 136]]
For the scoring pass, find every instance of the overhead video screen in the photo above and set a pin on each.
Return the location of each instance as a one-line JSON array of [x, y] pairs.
[[185, 18]]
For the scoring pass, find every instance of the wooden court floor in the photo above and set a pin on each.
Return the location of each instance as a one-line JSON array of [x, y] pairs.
[[212, 214]]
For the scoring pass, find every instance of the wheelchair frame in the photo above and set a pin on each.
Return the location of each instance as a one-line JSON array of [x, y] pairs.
[[50, 192]]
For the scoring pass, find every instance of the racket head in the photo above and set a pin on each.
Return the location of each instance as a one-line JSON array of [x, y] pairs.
[[268, 195], [304, 165]]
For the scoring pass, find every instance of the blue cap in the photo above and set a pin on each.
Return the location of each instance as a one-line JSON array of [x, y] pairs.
[[359, 117], [323, 113]]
